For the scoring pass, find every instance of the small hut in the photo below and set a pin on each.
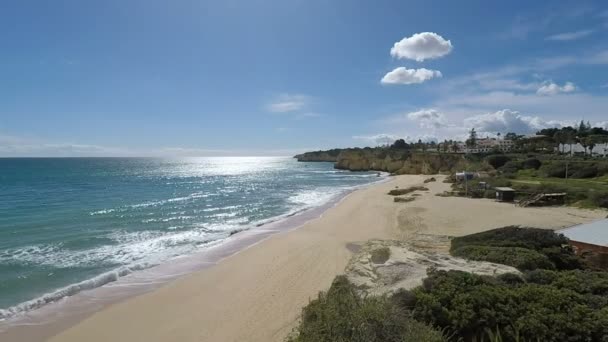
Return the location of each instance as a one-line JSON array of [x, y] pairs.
[[504, 194]]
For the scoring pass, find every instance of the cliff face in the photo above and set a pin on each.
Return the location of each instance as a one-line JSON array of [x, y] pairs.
[[319, 156], [387, 160]]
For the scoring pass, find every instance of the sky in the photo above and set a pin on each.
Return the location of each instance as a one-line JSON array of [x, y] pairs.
[[277, 77]]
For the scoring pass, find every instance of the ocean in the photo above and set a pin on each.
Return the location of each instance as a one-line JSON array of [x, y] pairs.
[[69, 225]]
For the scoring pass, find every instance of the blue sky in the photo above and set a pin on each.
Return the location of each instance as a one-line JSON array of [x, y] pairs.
[[278, 77]]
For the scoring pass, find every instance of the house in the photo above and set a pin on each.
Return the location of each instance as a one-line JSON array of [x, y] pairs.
[[589, 237], [504, 194]]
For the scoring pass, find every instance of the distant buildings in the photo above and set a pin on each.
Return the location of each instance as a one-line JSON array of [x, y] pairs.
[[485, 145]]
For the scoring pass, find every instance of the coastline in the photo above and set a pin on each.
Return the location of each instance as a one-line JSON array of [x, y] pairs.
[[257, 292], [40, 323]]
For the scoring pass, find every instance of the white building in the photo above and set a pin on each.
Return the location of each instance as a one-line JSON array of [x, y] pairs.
[[486, 145]]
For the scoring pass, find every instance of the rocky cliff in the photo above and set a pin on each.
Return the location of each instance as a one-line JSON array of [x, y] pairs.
[[319, 156]]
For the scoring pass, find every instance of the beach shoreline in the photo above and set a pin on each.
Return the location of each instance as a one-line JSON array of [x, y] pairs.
[[49, 319], [257, 292]]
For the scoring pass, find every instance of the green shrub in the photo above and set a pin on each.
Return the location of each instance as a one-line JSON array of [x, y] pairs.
[[599, 199], [340, 315], [520, 258], [497, 160], [513, 236], [469, 305], [380, 255], [523, 248], [399, 192], [585, 172], [511, 167], [532, 163]]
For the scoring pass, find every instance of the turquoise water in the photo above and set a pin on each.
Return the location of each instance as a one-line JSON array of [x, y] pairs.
[[71, 221]]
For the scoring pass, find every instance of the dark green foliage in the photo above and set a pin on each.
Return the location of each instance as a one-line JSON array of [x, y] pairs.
[[399, 192], [585, 172], [523, 248], [497, 160], [600, 199], [532, 163], [469, 306], [520, 258], [340, 315], [380, 255], [513, 236], [400, 144], [512, 167]]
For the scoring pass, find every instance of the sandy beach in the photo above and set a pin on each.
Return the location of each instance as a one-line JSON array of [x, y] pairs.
[[257, 294]]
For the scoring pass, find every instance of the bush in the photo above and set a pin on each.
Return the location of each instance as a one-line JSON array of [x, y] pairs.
[[520, 258], [497, 160], [511, 167], [340, 315], [599, 199], [523, 248], [585, 172], [532, 163], [469, 305], [513, 236], [398, 192], [380, 255], [556, 170]]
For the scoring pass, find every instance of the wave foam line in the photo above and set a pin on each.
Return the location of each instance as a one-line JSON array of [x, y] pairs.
[[71, 290]]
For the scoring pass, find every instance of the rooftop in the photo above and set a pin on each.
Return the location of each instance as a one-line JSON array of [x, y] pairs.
[[595, 233], [503, 188]]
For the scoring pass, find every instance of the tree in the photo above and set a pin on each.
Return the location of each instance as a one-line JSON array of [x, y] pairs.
[[472, 141], [454, 146], [560, 139], [399, 144]]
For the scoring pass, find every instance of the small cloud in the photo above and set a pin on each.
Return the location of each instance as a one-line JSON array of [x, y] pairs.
[[403, 75], [307, 115], [282, 129], [287, 103], [421, 46], [550, 88], [567, 36], [378, 139], [507, 120], [598, 58], [428, 118]]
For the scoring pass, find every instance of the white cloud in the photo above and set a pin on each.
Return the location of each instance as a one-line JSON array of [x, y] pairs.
[[507, 120], [378, 139], [550, 88], [387, 138], [403, 75], [428, 118], [566, 36], [287, 103], [421, 46]]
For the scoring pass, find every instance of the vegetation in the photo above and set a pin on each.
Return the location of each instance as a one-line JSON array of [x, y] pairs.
[[380, 255], [522, 248], [469, 306], [340, 315], [399, 192], [555, 298]]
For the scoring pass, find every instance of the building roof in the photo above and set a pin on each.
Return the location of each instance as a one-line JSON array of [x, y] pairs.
[[503, 188], [595, 233]]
